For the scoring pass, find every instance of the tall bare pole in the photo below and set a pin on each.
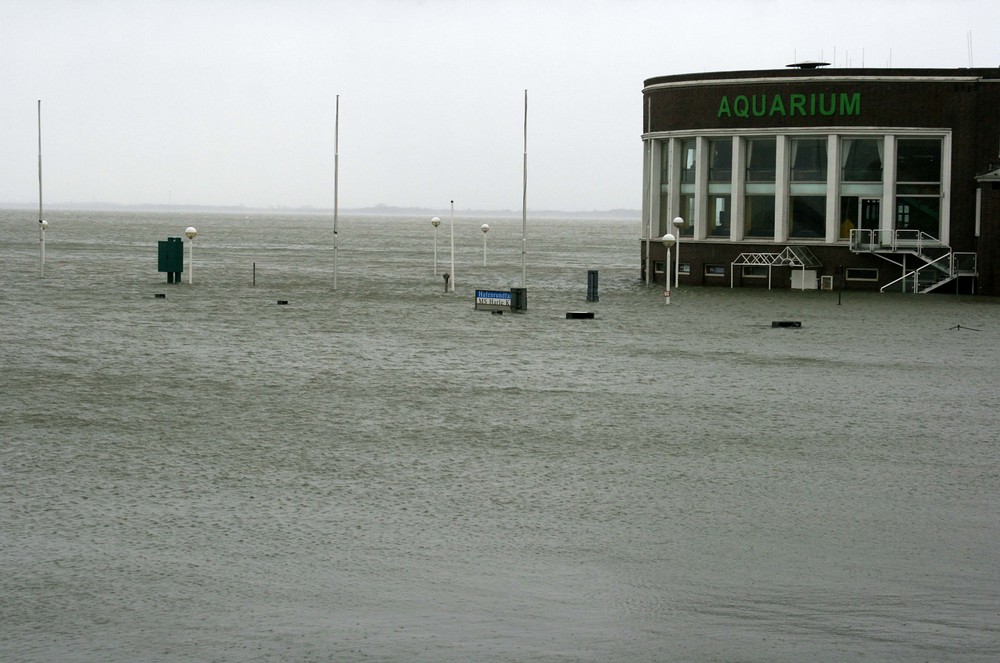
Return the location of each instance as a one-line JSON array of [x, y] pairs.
[[39, 161], [336, 187], [451, 275], [524, 201], [41, 221]]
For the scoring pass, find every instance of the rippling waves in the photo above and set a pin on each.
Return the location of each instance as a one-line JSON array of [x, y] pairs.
[[379, 472]]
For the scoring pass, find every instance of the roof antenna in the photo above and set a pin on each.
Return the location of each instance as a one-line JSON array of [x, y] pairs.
[[969, 40]]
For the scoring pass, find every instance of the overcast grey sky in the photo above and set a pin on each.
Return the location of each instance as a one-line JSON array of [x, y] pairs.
[[223, 102]]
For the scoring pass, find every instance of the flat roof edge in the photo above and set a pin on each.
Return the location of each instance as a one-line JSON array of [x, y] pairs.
[[822, 74]]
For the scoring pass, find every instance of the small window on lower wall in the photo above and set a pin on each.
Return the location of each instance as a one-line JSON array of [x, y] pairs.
[[862, 274], [658, 267], [685, 268], [715, 270], [755, 271]]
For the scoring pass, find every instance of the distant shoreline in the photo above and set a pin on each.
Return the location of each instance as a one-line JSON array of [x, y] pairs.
[[378, 210]]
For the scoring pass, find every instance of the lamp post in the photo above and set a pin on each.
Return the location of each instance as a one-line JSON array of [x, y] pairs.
[[451, 276], [191, 232], [678, 223], [485, 228], [435, 222], [668, 242]]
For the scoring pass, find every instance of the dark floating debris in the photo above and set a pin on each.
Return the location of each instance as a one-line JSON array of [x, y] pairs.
[[786, 323], [579, 315], [960, 327], [282, 302], [160, 295]]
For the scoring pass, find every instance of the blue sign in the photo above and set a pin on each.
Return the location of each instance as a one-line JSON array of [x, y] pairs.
[[493, 300]]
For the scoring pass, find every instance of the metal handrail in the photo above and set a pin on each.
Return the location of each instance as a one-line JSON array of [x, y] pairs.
[[900, 279], [966, 262], [896, 240], [947, 273], [893, 239]]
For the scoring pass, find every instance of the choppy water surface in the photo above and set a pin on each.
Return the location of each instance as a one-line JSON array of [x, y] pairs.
[[379, 472]]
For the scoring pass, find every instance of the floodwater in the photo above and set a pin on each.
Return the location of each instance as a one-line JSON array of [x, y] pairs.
[[378, 472]]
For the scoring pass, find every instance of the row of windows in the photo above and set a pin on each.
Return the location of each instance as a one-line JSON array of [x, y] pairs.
[[917, 160], [820, 203], [807, 215], [761, 271]]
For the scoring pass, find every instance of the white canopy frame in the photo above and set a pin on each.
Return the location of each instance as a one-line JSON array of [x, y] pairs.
[[791, 256]]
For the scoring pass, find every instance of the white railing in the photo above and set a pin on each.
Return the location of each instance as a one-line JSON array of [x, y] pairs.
[[964, 262], [948, 266], [943, 273], [883, 239]]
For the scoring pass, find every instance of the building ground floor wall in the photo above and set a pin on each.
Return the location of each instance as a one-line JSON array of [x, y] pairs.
[[836, 266]]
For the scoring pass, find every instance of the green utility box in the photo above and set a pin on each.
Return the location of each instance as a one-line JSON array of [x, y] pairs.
[[171, 258]]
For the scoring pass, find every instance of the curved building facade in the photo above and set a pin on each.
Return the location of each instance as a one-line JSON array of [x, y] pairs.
[[814, 177]]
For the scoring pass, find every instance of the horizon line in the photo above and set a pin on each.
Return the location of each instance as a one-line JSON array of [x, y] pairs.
[[379, 208]]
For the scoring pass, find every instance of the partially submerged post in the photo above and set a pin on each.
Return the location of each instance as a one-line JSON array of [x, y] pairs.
[[592, 294]]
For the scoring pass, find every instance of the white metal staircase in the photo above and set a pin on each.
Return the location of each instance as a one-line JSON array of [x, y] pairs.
[[938, 264]]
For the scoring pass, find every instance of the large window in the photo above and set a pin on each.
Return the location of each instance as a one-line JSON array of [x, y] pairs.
[[664, 163], [718, 216], [918, 185], [720, 164], [808, 218], [808, 159], [807, 202], [760, 216], [918, 160], [918, 213], [759, 201], [761, 154], [859, 212], [861, 159], [687, 161]]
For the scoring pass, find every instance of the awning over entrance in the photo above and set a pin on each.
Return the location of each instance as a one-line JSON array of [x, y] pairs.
[[791, 256]]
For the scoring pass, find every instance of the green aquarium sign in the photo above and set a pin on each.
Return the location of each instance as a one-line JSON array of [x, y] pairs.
[[822, 104]]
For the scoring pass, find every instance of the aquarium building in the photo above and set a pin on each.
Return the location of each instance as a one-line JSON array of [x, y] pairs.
[[816, 177]]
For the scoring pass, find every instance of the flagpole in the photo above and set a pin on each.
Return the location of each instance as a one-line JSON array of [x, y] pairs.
[[524, 200], [451, 282], [41, 222], [336, 186]]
